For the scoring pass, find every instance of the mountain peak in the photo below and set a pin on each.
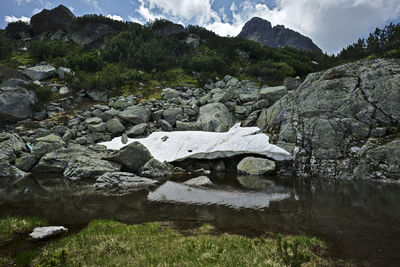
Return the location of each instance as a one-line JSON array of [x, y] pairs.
[[261, 31]]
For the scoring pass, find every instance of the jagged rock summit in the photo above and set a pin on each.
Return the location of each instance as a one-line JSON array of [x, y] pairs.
[[58, 18], [261, 31]]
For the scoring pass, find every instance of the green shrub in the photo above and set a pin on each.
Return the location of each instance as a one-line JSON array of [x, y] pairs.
[[48, 50], [7, 46]]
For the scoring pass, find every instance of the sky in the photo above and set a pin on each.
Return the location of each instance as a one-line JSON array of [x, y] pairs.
[[331, 24]]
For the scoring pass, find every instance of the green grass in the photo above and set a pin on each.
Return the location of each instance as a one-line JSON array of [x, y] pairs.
[[108, 243], [13, 226]]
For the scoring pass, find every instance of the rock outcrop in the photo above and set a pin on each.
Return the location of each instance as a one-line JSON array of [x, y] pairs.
[[16, 104], [343, 122], [58, 18], [261, 31]]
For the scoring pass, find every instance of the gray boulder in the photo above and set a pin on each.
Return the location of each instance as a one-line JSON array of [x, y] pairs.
[[169, 93], [171, 115], [132, 157], [115, 126], [272, 94], [136, 115], [16, 104], [26, 162], [81, 162], [333, 111], [255, 166], [83, 167], [40, 72], [136, 130], [154, 169], [11, 146], [291, 83], [214, 117], [9, 171], [51, 138], [42, 148]]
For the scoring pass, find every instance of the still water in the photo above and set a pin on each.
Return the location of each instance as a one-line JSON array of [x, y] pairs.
[[359, 220]]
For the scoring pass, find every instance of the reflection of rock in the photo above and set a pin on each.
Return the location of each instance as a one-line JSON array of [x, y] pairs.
[[42, 233], [199, 181], [254, 182], [123, 182], [179, 193]]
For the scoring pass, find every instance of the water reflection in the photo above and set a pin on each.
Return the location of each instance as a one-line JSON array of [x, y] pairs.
[[179, 193], [359, 219]]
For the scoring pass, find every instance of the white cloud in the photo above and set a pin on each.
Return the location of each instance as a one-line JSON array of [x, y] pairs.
[[13, 18], [332, 24], [195, 11], [135, 20], [115, 17], [20, 2]]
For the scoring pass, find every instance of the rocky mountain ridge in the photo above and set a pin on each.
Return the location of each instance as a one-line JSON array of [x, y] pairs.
[[261, 31]]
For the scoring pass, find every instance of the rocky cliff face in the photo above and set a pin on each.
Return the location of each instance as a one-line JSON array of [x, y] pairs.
[[58, 18], [343, 122], [261, 31]]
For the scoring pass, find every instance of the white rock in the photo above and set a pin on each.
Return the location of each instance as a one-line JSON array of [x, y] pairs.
[[64, 90], [176, 146], [40, 233], [40, 72]]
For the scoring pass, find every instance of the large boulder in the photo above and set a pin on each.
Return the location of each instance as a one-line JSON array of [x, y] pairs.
[[154, 169], [132, 157], [9, 73], [255, 166], [214, 117], [272, 94], [58, 18], [9, 171], [136, 115], [11, 146], [16, 104], [40, 72], [332, 115], [75, 161]]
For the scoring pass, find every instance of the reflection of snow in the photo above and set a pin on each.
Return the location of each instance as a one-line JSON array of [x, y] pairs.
[[179, 193], [175, 146]]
